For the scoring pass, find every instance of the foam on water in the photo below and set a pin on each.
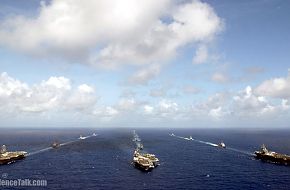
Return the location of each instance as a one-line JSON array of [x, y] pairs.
[[62, 144], [240, 151], [39, 151], [215, 145]]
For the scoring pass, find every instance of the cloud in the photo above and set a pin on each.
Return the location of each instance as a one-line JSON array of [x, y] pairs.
[[254, 70], [158, 92], [111, 33], [237, 105], [219, 78], [191, 89], [215, 106], [276, 87], [107, 112], [82, 98], [148, 109], [143, 76], [128, 93], [217, 113], [167, 108], [57, 96], [127, 104], [201, 55], [54, 94], [247, 103]]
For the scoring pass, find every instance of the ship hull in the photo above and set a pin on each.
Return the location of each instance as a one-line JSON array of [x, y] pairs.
[[4, 161], [55, 145], [141, 167], [281, 159], [156, 164]]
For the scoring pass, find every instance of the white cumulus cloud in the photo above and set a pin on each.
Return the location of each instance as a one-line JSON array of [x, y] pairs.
[[54, 94], [111, 32], [276, 87]]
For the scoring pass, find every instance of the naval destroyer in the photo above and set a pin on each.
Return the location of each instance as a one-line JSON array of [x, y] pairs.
[[222, 145]]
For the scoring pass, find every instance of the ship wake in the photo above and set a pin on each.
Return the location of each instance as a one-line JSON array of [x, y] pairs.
[[137, 140], [196, 140], [39, 151], [213, 144], [204, 142], [240, 151], [60, 145]]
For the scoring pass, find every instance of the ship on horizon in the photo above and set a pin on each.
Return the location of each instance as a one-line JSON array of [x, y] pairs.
[[136, 137], [189, 139], [222, 145], [55, 144], [82, 138]]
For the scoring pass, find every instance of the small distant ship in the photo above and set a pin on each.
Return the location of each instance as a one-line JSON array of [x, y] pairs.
[[10, 157], [172, 134], [142, 162], [189, 139], [266, 155], [222, 145], [94, 134], [55, 144], [136, 139], [82, 138]]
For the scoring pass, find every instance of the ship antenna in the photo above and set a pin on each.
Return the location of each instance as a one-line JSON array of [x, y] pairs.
[[3, 149]]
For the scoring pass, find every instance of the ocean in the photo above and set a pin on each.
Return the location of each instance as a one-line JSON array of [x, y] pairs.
[[104, 161]]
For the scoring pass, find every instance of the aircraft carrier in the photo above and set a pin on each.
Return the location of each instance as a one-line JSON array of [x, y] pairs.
[[10, 157], [142, 162], [270, 156]]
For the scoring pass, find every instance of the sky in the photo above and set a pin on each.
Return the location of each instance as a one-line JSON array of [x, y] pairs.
[[129, 63]]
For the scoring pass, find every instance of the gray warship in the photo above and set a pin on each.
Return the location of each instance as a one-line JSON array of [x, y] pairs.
[[222, 145], [55, 144], [10, 157]]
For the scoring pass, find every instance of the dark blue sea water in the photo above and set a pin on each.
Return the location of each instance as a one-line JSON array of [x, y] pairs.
[[104, 162]]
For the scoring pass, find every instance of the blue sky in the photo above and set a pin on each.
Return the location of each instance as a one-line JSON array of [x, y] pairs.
[[171, 63]]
